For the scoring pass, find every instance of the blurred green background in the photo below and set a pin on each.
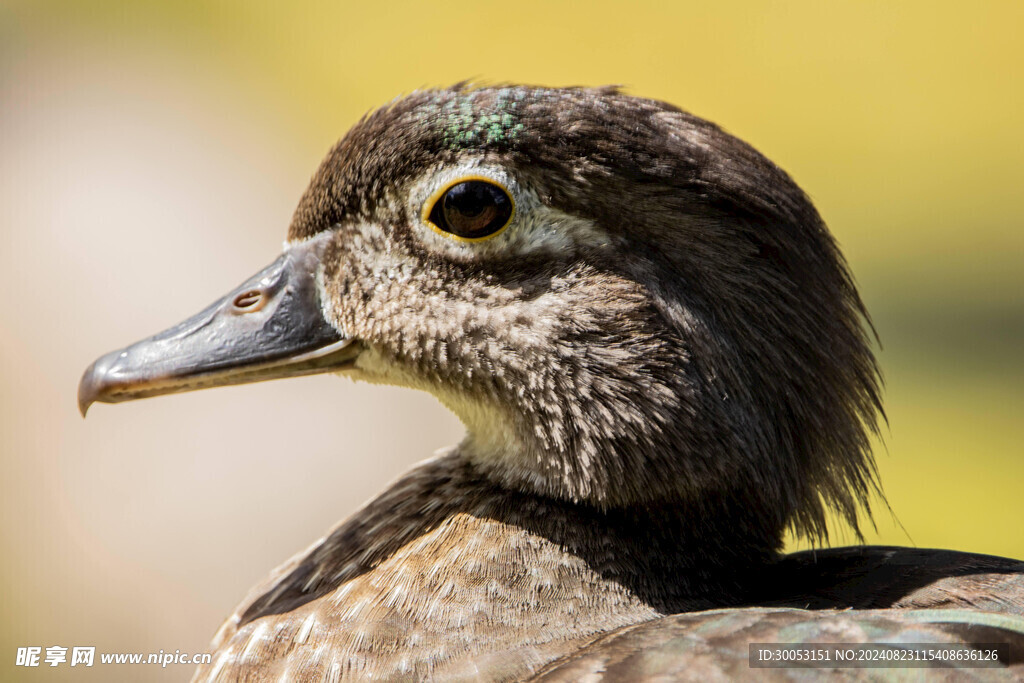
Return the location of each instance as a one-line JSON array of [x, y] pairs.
[[150, 157]]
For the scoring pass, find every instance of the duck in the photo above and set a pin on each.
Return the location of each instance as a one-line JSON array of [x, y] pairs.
[[663, 366]]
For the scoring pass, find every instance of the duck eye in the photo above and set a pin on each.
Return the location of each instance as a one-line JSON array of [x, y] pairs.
[[472, 209]]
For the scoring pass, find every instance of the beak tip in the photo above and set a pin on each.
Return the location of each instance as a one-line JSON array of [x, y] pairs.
[[83, 403], [90, 387]]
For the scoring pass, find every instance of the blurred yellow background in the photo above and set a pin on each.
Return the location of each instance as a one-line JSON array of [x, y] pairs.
[[150, 158]]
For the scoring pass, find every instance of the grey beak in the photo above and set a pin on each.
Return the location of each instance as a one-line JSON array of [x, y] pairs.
[[270, 326]]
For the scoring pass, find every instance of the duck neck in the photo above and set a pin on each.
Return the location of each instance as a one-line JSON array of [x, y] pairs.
[[667, 556], [448, 567]]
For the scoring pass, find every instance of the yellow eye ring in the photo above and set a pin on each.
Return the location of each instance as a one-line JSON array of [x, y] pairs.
[[470, 209]]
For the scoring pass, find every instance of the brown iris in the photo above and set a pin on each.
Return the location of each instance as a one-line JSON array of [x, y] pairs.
[[472, 209]]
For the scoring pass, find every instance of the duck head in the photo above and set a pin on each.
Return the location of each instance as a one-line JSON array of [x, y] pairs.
[[624, 304]]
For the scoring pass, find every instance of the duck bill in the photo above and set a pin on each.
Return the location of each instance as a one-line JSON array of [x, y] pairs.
[[270, 326]]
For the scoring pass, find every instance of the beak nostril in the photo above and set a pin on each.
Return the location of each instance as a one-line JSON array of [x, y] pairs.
[[249, 299]]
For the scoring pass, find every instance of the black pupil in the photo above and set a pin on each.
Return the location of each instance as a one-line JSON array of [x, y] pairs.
[[472, 209]]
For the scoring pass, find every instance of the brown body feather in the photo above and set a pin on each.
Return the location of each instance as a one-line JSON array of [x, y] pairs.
[[445, 576]]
